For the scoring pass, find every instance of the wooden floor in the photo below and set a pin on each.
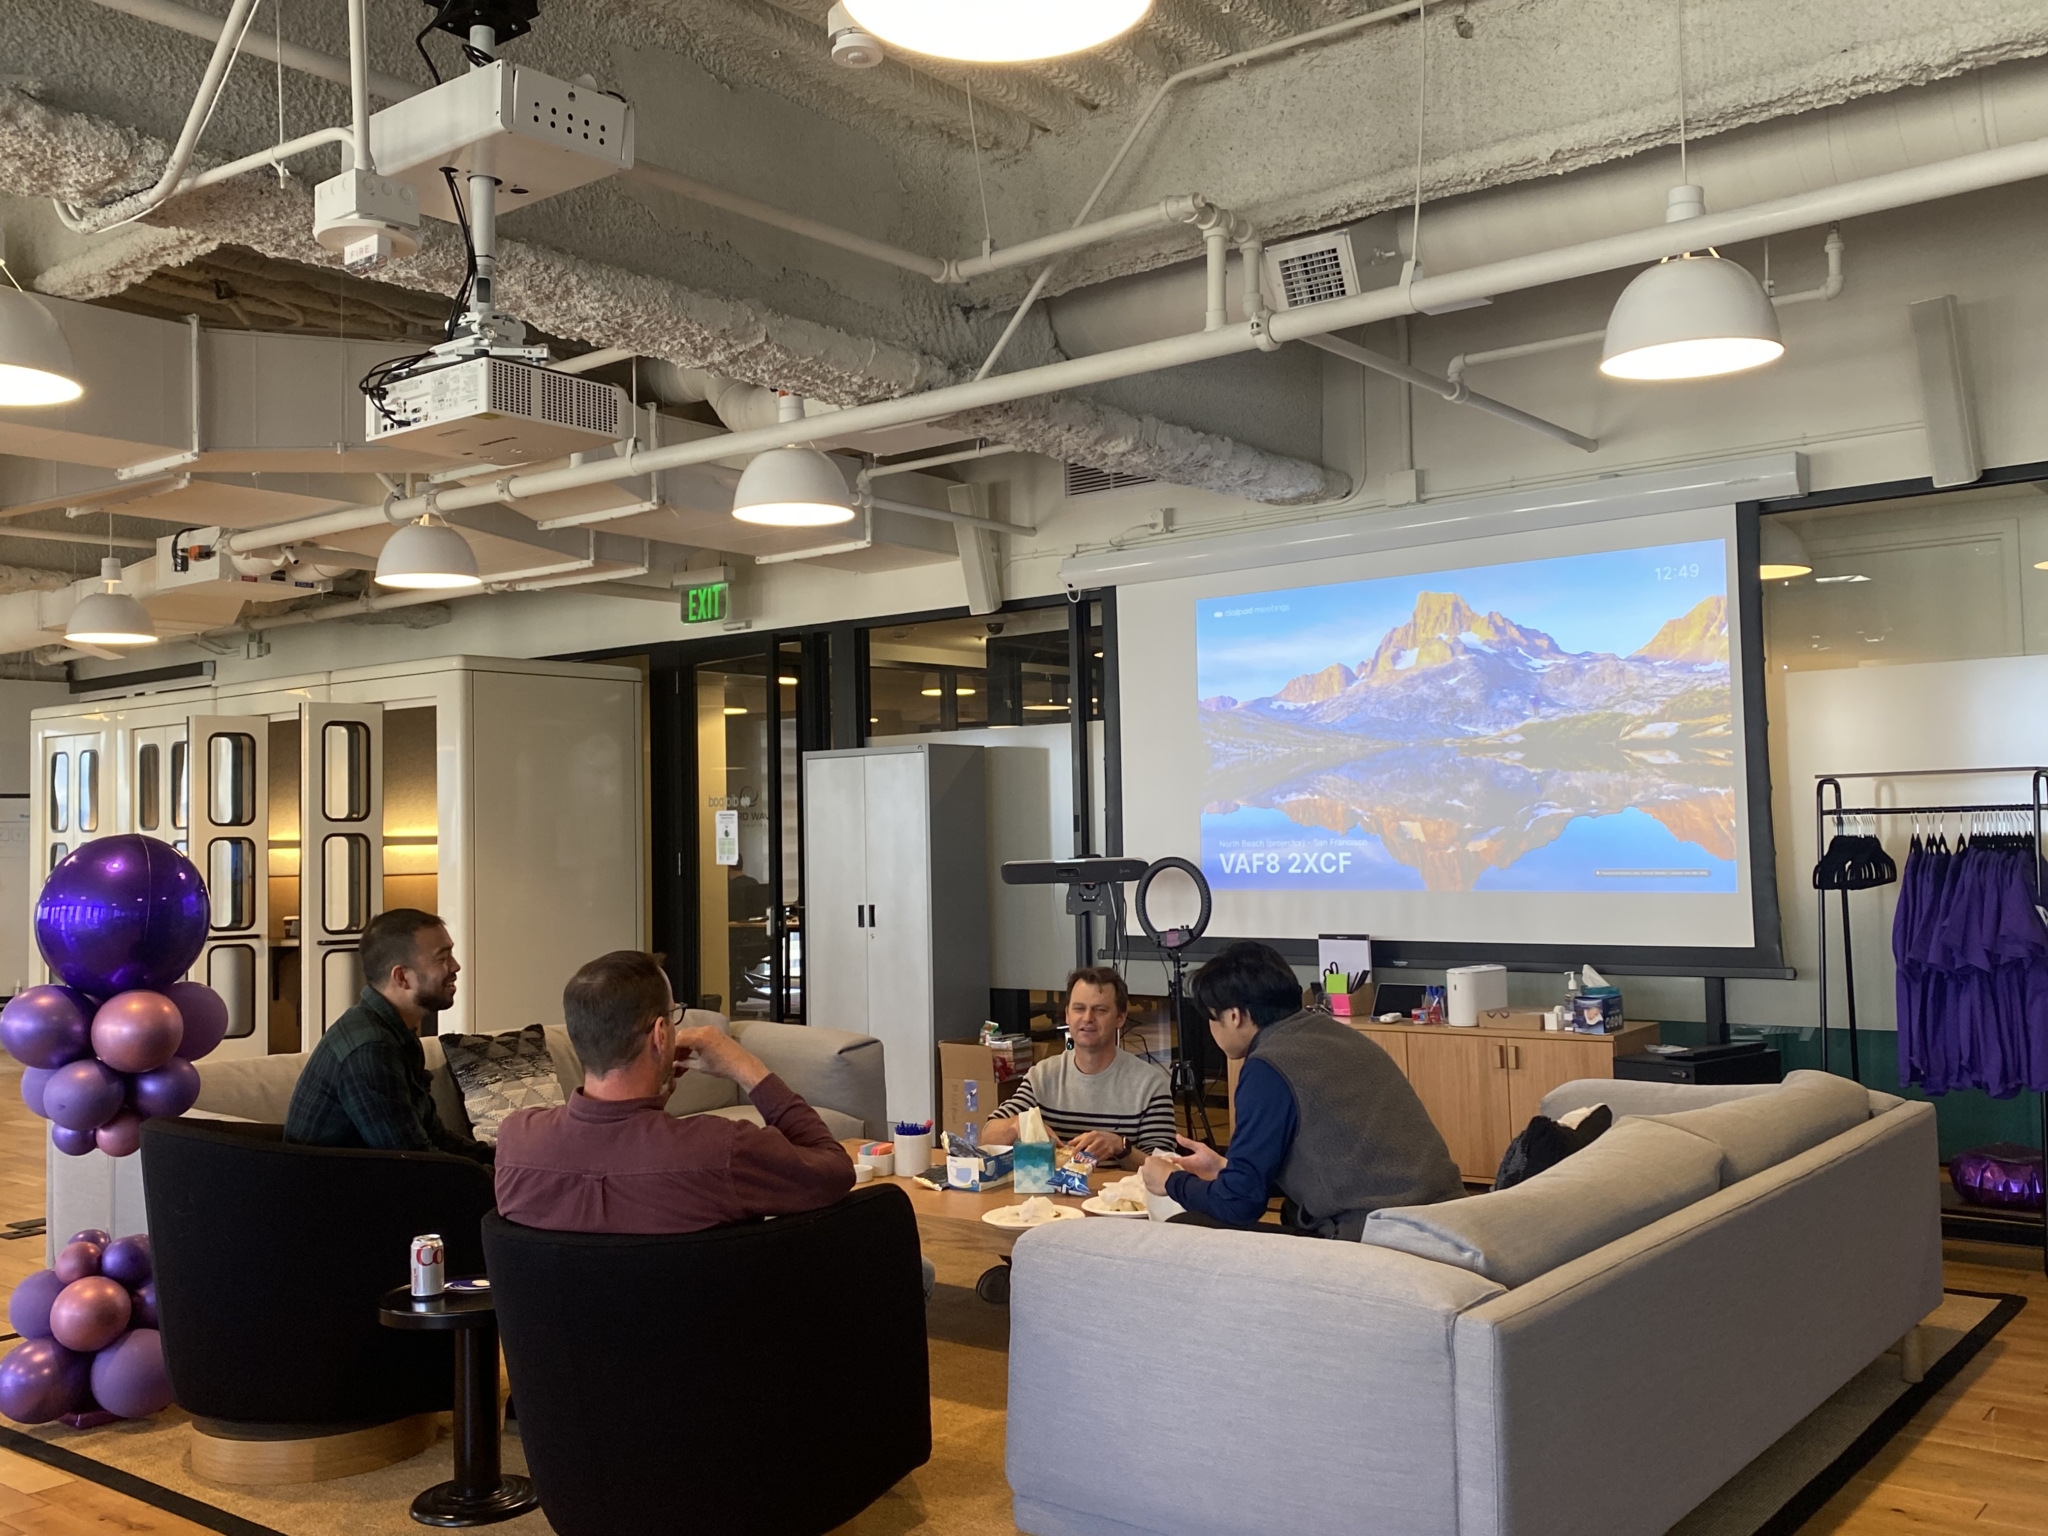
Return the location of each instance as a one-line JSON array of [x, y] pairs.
[[1975, 1460]]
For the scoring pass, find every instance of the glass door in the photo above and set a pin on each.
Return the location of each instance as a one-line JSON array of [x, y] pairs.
[[737, 789]]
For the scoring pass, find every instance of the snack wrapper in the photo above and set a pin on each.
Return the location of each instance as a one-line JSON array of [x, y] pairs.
[[1070, 1180]]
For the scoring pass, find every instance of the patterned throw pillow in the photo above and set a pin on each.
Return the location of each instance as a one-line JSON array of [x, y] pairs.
[[500, 1073]]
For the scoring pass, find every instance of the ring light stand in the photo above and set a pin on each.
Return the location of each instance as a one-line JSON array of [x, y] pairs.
[[1188, 1089]]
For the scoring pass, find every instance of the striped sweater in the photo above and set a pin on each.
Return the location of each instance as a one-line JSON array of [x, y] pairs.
[[1129, 1098]]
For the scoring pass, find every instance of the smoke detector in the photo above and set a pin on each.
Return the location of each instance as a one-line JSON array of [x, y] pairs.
[[853, 46]]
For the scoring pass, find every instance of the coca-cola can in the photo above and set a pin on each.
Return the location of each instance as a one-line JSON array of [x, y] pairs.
[[429, 1267]]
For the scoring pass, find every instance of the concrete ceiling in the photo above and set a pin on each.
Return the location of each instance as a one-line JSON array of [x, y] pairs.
[[741, 93]]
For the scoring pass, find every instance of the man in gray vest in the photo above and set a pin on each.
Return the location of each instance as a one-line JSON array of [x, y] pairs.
[[1323, 1116]]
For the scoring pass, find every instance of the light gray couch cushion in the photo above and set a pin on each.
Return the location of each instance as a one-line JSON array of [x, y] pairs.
[[250, 1087], [842, 1126], [1637, 1173], [1765, 1129], [1626, 1096]]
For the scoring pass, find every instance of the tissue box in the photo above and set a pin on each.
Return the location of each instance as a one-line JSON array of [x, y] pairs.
[[1596, 1011], [984, 1168], [1033, 1161]]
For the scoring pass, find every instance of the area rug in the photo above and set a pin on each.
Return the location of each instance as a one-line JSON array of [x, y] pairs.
[[961, 1491]]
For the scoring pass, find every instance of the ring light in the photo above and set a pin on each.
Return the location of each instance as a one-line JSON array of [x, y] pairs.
[[1173, 938]]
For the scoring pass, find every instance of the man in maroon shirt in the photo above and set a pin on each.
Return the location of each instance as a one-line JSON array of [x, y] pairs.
[[614, 1160]]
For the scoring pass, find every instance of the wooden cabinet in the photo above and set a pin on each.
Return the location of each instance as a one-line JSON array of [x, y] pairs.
[[1482, 1086]]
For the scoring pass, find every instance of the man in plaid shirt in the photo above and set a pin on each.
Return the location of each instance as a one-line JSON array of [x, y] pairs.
[[365, 1085]]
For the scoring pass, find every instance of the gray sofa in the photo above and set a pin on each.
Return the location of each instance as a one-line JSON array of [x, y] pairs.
[[1594, 1351], [838, 1073]]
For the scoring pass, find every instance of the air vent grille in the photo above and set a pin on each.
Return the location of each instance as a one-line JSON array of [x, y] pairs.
[[511, 389], [1084, 480], [1312, 277], [570, 401]]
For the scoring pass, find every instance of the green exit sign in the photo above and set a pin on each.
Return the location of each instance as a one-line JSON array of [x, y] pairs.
[[706, 605]]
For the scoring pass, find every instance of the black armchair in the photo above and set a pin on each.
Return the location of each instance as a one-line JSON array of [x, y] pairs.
[[270, 1260], [671, 1383]]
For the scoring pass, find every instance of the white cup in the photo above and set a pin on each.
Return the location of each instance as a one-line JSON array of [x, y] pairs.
[[913, 1154], [884, 1163], [863, 1172]]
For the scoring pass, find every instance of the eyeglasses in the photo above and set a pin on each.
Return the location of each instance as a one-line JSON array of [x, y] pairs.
[[675, 1016]]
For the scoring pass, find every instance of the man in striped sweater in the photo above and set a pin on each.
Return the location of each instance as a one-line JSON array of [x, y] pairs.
[[1096, 1098]]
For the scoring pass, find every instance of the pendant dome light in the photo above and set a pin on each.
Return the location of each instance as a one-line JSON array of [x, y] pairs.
[[111, 617], [1780, 555], [792, 487], [1694, 316], [35, 359], [997, 31], [427, 556]]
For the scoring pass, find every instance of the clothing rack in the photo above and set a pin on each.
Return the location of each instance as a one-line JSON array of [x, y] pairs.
[[2036, 806]]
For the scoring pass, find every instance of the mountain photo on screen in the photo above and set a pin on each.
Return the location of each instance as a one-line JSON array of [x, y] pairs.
[[1557, 725]]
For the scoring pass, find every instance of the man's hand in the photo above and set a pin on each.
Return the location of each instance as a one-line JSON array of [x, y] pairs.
[[1203, 1162], [1103, 1146], [710, 1049]]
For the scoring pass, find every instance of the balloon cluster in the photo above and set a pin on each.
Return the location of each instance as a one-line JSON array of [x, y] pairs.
[[119, 920], [90, 1350]]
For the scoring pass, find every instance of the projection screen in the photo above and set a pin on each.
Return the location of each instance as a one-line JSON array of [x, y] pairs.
[[1523, 745]]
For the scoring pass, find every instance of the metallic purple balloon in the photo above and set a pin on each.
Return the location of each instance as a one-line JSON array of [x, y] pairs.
[[28, 1309], [129, 1260], [41, 1380], [137, 1031], [71, 1143], [122, 912], [2005, 1174], [120, 1136], [32, 1080], [99, 1235], [83, 1095], [77, 1259], [128, 1377], [171, 1089], [145, 1304], [205, 1015], [90, 1314], [47, 1026]]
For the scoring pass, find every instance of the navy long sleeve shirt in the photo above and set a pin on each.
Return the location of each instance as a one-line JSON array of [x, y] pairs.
[[1261, 1132]]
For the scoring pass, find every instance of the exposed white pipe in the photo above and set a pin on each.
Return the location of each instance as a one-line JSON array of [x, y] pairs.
[[1830, 288], [1877, 194], [696, 191], [1456, 393], [603, 357], [66, 536], [224, 50], [913, 509], [358, 86], [912, 466], [306, 61]]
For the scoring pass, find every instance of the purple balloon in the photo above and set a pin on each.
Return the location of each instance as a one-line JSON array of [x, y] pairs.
[[71, 1143], [47, 1026], [128, 1377], [77, 1259], [90, 1314], [171, 1089], [99, 1235], [120, 1136], [41, 1380], [28, 1309], [83, 1095], [205, 1015], [122, 912], [32, 1081], [145, 1304], [128, 1260], [137, 1031], [2005, 1174]]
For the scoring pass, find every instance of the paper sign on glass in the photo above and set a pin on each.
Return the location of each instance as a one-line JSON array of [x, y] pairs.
[[725, 840]]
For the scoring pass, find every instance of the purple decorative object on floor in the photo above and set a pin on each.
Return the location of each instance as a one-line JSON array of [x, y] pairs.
[[145, 1305], [47, 1026], [2005, 1175], [28, 1309], [32, 1080], [71, 1143], [97, 1235], [205, 1015], [171, 1089], [122, 912], [137, 1031], [90, 1314], [77, 1259], [84, 1095], [40, 1379], [128, 1376], [128, 1260], [120, 1136]]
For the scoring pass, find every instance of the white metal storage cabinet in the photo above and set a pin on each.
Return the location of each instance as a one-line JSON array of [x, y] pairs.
[[896, 935]]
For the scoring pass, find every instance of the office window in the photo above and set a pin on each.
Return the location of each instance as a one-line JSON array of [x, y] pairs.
[[149, 796]]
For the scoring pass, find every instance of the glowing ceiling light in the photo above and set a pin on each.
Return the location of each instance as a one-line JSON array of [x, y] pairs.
[[35, 359], [1694, 316], [111, 617], [997, 31]]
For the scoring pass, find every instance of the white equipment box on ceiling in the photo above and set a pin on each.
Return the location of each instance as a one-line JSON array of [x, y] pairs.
[[496, 411], [537, 135]]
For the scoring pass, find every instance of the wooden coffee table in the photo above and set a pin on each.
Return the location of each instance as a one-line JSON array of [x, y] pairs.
[[952, 1217]]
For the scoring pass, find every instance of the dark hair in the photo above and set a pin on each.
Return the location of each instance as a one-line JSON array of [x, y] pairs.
[[1251, 976], [392, 940], [609, 1006], [1102, 976]]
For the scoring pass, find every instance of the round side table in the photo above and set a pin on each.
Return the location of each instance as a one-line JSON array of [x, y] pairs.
[[480, 1493]]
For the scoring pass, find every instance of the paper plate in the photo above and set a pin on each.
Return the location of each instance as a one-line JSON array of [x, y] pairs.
[[1094, 1207], [1011, 1217]]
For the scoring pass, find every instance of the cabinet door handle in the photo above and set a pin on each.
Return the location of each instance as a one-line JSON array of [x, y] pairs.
[[1500, 1055], [871, 914], [860, 915], [1518, 1057]]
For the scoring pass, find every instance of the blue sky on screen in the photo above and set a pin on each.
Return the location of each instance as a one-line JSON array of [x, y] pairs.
[[1250, 646]]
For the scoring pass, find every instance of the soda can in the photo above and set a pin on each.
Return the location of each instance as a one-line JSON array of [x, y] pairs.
[[429, 1268]]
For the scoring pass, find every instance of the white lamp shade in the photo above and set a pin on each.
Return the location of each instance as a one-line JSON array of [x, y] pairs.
[[1780, 555], [110, 617], [1690, 318], [427, 555], [996, 31], [35, 359], [792, 488]]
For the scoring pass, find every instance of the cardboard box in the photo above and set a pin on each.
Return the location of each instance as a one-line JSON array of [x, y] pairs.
[[994, 1073]]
